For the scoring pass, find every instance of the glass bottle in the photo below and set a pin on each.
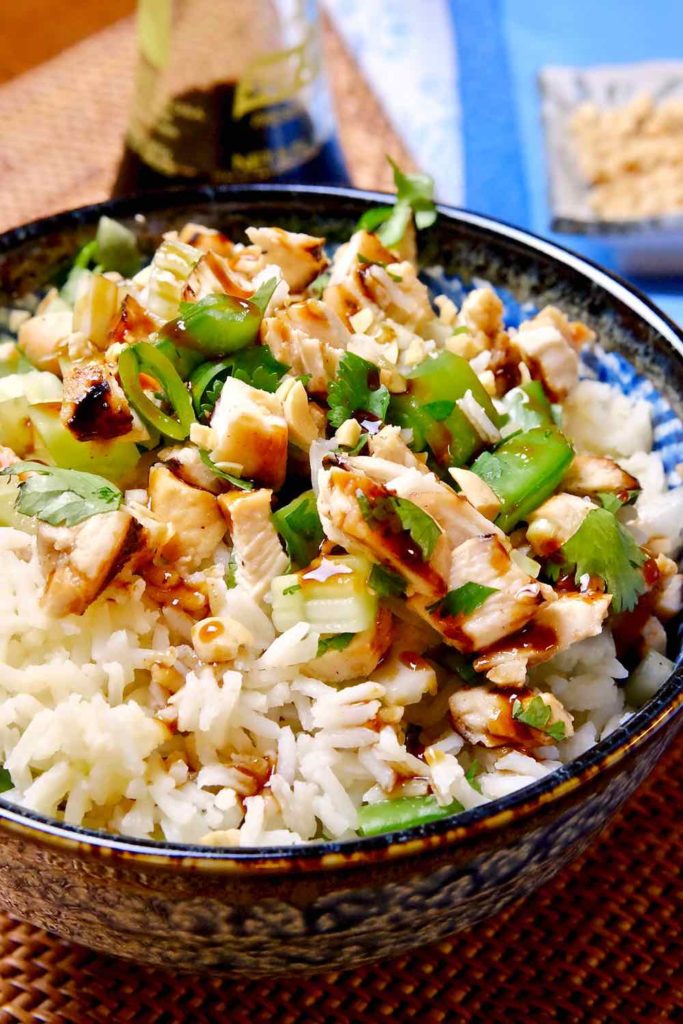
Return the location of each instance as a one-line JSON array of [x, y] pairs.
[[229, 91]]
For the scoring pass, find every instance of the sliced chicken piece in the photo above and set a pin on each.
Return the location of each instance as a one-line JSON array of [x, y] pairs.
[[516, 598], [588, 475], [79, 561], [343, 521], [250, 430], [458, 519], [557, 625], [551, 358], [94, 407], [43, 339], [309, 338], [389, 445], [193, 513], [481, 312], [300, 257], [574, 332], [360, 658], [186, 463], [365, 275], [485, 717], [555, 521], [206, 239], [134, 323], [667, 590], [257, 549]]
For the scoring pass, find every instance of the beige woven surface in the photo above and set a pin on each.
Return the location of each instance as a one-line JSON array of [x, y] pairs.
[[62, 125], [602, 943]]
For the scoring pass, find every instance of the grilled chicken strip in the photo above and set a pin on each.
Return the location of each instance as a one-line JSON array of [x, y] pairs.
[[79, 561], [484, 716], [300, 257], [308, 337], [257, 550], [193, 513], [94, 407], [589, 475]]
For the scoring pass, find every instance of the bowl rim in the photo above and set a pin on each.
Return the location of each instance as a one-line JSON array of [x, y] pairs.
[[659, 712]]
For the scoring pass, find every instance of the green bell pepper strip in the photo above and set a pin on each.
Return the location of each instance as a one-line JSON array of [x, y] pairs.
[[429, 408], [404, 812], [523, 471], [528, 406], [144, 356], [185, 360], [220, 324]]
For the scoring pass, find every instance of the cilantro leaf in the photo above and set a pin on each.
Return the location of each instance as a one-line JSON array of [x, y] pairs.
[[255, 365], [236, 481], [463, 600], [421, 527], [536, 714], [5, 780], [338, 642], [414, 196], [603, 547], [264, 294], [356, 449], [471, 776], [386, 583], [63, 497], [613, 502], [350, 391], [299, 526], [407, 516]]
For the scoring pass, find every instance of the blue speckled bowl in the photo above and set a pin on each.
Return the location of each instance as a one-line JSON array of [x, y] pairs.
[[334, 905]]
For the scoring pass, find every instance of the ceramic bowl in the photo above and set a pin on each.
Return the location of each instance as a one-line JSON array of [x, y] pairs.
[[334, 905]]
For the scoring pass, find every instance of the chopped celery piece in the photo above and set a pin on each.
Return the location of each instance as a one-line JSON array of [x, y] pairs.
[[9, 516], [114, 460], [97, 301], [172, 264], [18, 392], [403, 812], [300, 528], [117, 247], [333, 597], [523, 471], [527, 407], [429, 408]]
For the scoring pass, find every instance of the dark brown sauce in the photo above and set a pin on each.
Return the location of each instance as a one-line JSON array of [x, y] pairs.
[[133, 323], [532, 639], [95, 416], [168, 588]]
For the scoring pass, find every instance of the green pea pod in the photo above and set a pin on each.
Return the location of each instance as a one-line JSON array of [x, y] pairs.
[[144, 356], [523, 471], [404, 812], [527, 406], [429, 408]]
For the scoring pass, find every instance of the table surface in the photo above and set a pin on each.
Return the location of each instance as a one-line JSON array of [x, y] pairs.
[[616, 910]]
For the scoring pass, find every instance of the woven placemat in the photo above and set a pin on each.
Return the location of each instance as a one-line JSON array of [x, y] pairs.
[[601, 943]]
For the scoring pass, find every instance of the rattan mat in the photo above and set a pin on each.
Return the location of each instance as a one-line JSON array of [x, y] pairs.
[[601, 943]]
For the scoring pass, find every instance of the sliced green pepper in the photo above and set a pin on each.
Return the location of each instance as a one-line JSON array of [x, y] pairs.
[[144, 356], [220, 324], [527, 406], [404, 812], [429, 408], [185, 360], [524, 470]]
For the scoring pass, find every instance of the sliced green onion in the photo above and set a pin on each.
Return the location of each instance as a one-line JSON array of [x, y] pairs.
[[144, 356], [404, 812]]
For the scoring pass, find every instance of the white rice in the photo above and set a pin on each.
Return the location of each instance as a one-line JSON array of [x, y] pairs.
[[259, 753]]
